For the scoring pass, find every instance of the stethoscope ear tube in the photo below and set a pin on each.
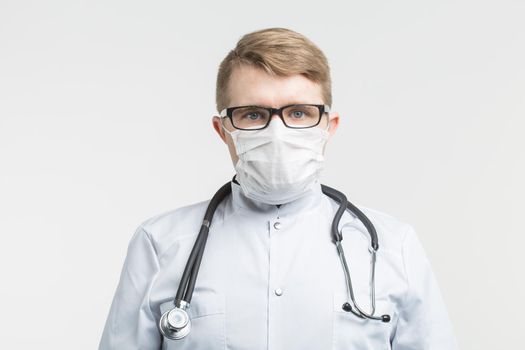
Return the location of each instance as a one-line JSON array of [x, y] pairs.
[[343, 205], [338, 237], [341, 198]]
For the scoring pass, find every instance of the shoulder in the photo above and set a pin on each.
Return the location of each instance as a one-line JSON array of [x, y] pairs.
[[167, 227], [391, 231]]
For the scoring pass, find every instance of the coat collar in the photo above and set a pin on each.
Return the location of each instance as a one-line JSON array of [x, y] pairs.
[[309, 201]]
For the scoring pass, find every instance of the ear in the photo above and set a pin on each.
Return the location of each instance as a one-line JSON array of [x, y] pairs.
[[216, 122], [333, 120]]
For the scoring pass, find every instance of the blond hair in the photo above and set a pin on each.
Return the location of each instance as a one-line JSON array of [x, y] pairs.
[[279, 51]]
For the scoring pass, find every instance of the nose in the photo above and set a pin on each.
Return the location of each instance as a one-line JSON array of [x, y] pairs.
[[275, 116]]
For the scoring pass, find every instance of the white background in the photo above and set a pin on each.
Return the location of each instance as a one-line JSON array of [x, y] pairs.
[[105, 120]]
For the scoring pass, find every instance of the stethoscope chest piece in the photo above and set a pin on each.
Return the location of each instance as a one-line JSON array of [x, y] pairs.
[[175, 324]]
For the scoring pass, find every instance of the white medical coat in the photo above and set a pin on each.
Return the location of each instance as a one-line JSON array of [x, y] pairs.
[[264, 285]]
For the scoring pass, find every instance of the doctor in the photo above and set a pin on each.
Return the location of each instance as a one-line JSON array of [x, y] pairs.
[[270, 276]]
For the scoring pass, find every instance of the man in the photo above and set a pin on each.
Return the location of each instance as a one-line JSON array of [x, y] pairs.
[[270, 276]]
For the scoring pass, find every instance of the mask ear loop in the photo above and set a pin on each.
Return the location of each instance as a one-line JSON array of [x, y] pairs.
[[222, 125], [327, 136], [327, 125]]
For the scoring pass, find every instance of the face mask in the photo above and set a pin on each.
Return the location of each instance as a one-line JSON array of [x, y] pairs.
[[278, 164]]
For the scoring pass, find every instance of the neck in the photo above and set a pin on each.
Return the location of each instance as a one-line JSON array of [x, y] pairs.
[[309, 200]]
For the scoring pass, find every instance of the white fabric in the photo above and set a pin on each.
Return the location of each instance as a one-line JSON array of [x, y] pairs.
[[278, 164], [235, 304]]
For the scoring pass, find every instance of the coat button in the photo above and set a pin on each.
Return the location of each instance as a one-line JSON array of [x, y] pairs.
[[278, 292], [277, 225]]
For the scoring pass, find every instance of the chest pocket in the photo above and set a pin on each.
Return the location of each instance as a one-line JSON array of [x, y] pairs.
[[353, 332], [207, 315]]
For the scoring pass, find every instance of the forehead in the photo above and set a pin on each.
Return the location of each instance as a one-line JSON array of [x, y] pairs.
[[250, 85]]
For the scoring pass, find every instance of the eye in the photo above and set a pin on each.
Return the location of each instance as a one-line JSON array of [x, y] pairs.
[[297, 114], [253, 115]]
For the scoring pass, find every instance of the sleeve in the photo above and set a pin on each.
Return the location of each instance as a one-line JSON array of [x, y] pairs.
[[423, 322], [131, 324]]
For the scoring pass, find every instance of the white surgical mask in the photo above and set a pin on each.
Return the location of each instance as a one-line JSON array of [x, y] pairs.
[[279, 164]]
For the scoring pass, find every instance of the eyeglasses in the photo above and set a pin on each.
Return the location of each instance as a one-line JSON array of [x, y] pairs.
[[296, 116]]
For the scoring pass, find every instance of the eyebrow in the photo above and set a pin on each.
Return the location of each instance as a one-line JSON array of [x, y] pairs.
[[285, 104]]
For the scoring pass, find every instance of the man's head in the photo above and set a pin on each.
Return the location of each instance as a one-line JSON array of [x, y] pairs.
[[272, 68]]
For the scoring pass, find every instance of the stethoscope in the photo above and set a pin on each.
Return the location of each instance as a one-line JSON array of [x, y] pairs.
[[175, 323]]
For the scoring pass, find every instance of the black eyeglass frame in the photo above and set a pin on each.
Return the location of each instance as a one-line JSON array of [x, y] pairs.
[[228, 113]]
